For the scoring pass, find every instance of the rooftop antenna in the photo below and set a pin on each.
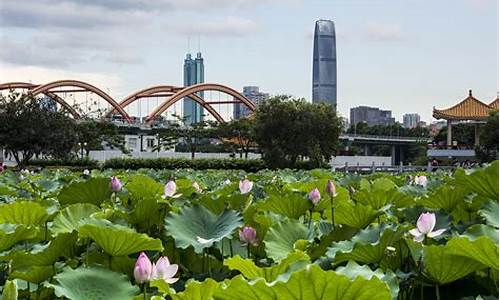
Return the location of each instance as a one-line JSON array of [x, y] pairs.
[[199, 43]]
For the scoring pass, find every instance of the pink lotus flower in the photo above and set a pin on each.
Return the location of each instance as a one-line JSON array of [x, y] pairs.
[[315, 196], [425, 227], [248, 236], [114, 184], [197, 187], [170, 189], [245, 186], [421, 180], [330, 189], [143, 269], [162, 269]]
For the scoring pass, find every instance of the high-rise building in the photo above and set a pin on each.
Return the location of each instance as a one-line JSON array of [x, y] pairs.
[[194, 73], [411, 120], [324, 81], [254, 95], [371, 116]]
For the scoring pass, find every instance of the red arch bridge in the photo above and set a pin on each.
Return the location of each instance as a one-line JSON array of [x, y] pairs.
[[70, 95]]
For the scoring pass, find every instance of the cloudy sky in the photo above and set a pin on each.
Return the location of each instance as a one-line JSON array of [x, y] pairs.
[[403, 55]]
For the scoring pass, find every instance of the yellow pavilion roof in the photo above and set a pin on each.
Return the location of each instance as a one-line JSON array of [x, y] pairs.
[[468, 109]]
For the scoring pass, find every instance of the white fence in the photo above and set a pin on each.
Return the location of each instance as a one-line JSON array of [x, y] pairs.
[[107, 154], [340, 161]]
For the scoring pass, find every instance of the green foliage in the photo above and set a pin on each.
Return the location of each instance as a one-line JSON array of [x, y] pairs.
[[287, 128], [9, 290], [198, 227], [311, 283], [281, 238], [71, 217], [117, 240], [93, 283], [484, 182], [31, 128], [23, 212], [488, 136], [442, 267], [93, 191], [65, 162], [11, 234]]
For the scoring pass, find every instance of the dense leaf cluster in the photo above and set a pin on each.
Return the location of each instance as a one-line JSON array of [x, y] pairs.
[[65, 234]]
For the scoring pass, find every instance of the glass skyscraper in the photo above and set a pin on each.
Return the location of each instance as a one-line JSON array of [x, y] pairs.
[[193, 74], [325, 63]]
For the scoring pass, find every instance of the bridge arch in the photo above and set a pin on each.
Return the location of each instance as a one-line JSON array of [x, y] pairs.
[[86, 86], [31, 86], [191, 91]]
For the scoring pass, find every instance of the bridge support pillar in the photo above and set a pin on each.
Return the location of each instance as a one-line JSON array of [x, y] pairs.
[[449, 138], [393, 155], [366, 150]]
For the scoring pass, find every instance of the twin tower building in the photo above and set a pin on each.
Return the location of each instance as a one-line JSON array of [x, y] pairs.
[[324, 78]]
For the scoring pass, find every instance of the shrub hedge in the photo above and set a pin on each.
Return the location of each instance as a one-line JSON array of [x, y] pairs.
[[249, 165], [80, 163]]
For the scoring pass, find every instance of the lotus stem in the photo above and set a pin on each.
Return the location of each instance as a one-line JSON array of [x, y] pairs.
[[248, 250], [110, 259], [422, 291], [438, 296], [144, 291], [331, 204], [231, 247], [310, 218]]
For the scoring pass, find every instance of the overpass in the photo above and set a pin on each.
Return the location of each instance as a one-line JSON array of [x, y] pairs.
[[396, 142]]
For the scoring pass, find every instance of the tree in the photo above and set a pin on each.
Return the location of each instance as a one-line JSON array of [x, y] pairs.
[[93, 135], [488, 138], [240, 132], [29, 128], [287, 129]]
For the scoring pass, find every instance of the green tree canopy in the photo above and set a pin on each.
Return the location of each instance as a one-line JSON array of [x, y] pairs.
[[488, 138], [287, 129], [28, 128]]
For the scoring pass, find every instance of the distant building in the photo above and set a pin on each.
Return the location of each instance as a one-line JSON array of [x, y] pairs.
[[254, 95], [49, 104], [411, 120], [371, 116], [194, 73], [324, 81]]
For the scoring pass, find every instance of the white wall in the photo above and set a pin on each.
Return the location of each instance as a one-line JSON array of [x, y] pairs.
[[340, 161], [107, 154]]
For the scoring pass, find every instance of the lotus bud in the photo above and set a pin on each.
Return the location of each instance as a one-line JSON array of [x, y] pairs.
[[315, 196], [248, 236], [330, 189], [170, 189], [421, 180], [86, 172], [143, 269], [245, 186], [114, 184]]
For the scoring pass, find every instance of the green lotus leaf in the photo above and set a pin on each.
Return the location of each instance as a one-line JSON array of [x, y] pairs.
[[352, 270], [141, 186], [441, 267], [196, 290], [9, 291], [94, 191], [446, 197], [483, 181], [281, 237], [23, 212], [309, 283], [290, 204], [10, 234], [93, 283], [482, 249], [490, 213], [35, 274], [117, 240], [354, 215], [368, 246], [71, 217], [248, 268], [46, 255], [198, 227], [479, 230]]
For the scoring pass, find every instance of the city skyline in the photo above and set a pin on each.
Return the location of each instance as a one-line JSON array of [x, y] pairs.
[[388, 53]]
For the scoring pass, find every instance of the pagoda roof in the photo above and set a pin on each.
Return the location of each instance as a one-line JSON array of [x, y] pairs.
[[468, 109], [494, 104]]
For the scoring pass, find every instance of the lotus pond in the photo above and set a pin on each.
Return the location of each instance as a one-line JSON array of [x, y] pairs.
[[232, 235]]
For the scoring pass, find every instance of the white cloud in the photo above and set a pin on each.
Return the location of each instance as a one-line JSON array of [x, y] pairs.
[[229, 26], [40, 75], [383, 32]]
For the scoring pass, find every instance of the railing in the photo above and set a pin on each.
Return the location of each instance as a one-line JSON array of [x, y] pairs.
[[383, 137], [391, 169]]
